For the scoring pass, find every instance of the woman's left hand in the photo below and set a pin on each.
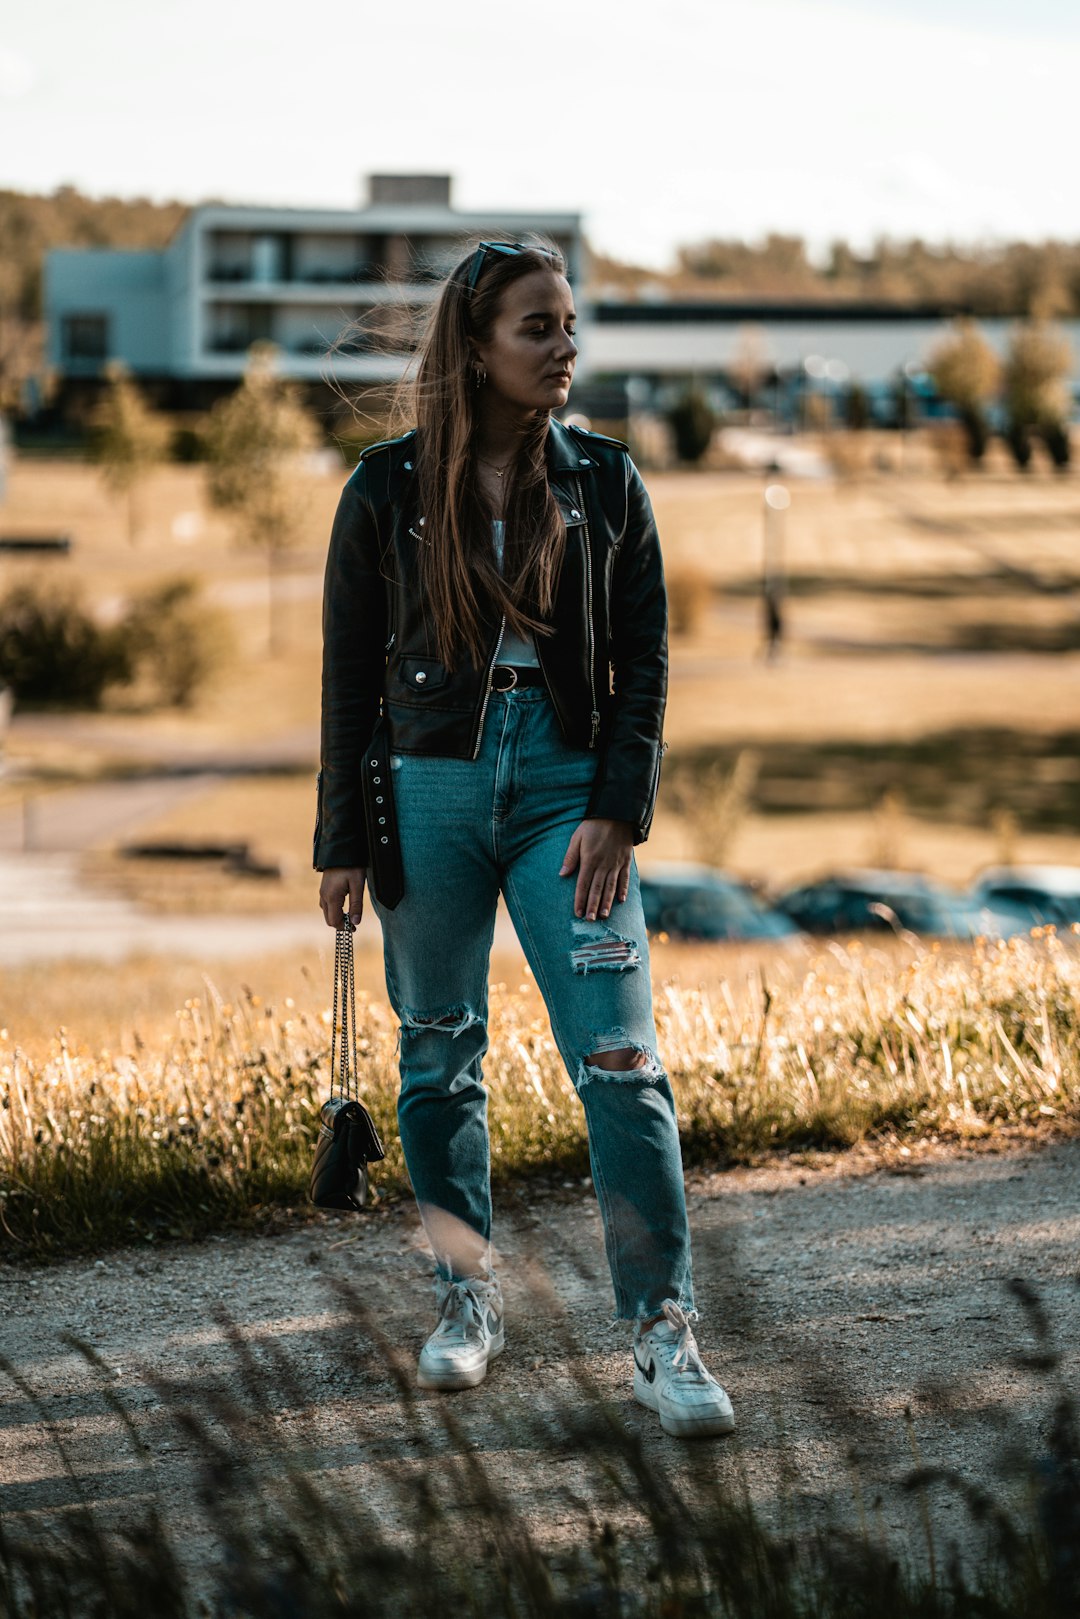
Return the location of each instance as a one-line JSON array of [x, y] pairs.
[[599, 852]]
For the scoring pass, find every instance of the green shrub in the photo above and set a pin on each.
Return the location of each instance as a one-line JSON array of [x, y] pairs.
[[692, 422], [52, 651], [186, 446], [857, 411], [1018, 438], [1055, 435], [175, 643]]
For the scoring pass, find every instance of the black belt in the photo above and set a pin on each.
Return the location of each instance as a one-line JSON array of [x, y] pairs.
[[506, 676]]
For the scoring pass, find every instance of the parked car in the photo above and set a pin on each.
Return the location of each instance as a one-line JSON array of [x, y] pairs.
[[699, 902], [851, 901], [1041, 893]]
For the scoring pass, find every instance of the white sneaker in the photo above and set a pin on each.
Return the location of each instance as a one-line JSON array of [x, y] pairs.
[[671, 1379], [469, 1334]]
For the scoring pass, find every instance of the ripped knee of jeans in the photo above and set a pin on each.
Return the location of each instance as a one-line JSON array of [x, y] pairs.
[[615, 1057], [453, 1020], [598, 948]]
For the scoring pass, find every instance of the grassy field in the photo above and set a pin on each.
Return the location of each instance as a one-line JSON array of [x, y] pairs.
[[930, 653], [891, 565], [187, 1123]]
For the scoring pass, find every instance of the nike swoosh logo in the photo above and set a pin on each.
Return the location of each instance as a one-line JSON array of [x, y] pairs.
[[648, 1371]]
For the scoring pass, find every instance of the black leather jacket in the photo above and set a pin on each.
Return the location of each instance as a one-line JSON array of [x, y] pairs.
[[605, 665]]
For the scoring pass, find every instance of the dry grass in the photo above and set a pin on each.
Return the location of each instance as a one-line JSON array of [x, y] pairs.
[[784, 849], [273, 816], [132, 1006], [689, 592], [212, 1124], [868, 698]]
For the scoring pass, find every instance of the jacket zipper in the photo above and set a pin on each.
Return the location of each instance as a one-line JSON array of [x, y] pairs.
[[487, 687], [386, 664], [594, 726]]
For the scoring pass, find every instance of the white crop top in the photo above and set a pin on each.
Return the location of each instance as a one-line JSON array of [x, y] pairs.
[[516, 649]]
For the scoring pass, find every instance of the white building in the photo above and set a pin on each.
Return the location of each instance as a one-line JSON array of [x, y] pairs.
[[183, 318], [659, 345], [298, 277]]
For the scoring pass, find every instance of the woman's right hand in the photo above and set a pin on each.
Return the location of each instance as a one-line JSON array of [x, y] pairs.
[[341, 883]]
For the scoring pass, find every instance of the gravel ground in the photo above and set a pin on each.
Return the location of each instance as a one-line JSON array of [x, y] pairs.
[[832, 1297]]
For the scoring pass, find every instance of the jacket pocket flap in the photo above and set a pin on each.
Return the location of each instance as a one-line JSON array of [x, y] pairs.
[[570, 506], [421, 674]]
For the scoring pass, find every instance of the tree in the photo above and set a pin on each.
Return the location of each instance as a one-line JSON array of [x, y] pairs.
[[966, 373], [53, 652], [129, 441], [254, 440], [174, 641], [1037, 368], [692, 422]]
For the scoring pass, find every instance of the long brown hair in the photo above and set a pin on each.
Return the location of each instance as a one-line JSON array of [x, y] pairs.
[[459, 574]]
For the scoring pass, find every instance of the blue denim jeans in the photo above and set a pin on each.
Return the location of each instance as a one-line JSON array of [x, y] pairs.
[[470, 828]]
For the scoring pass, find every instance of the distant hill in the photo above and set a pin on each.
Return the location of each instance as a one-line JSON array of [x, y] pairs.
[[1007, 278], [30, 225]]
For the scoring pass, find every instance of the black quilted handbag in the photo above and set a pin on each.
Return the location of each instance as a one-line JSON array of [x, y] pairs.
[[348, 1140]]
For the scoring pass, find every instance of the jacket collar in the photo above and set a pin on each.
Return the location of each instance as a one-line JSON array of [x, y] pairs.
[[565, 451]]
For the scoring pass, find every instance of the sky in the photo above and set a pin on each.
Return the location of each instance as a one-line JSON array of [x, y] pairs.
[[660, 122]]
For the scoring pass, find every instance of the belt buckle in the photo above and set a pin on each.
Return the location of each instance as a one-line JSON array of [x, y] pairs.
[[505, 667]]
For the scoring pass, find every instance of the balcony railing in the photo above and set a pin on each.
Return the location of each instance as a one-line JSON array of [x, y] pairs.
[[315, 275]]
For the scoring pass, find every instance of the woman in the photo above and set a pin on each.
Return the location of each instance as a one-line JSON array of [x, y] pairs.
[[494, 581]]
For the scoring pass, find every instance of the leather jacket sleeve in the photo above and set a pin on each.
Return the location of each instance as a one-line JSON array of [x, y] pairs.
[[629, 767], [354, 660]]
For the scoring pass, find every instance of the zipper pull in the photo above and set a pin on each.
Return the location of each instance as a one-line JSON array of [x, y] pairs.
[[595, 729]]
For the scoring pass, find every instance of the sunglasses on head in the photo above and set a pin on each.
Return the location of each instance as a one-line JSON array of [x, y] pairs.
[[507, 250]]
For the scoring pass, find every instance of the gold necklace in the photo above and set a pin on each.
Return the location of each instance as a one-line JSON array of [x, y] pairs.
[[499, 472]]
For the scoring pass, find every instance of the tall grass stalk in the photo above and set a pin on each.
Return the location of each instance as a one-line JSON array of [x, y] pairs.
[[215, 1126]]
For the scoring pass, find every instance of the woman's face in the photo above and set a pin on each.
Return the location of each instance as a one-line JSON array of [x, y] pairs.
[[529, 357]]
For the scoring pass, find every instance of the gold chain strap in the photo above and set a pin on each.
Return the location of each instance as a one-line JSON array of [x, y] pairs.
[[343, 1052]]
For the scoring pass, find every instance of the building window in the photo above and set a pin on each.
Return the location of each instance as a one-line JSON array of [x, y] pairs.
[[85, 337]]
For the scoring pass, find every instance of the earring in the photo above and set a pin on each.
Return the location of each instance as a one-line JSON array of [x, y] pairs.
[[479, 377]]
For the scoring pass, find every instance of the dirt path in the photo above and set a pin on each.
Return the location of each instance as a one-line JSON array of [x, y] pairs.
[[831, 1299]]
